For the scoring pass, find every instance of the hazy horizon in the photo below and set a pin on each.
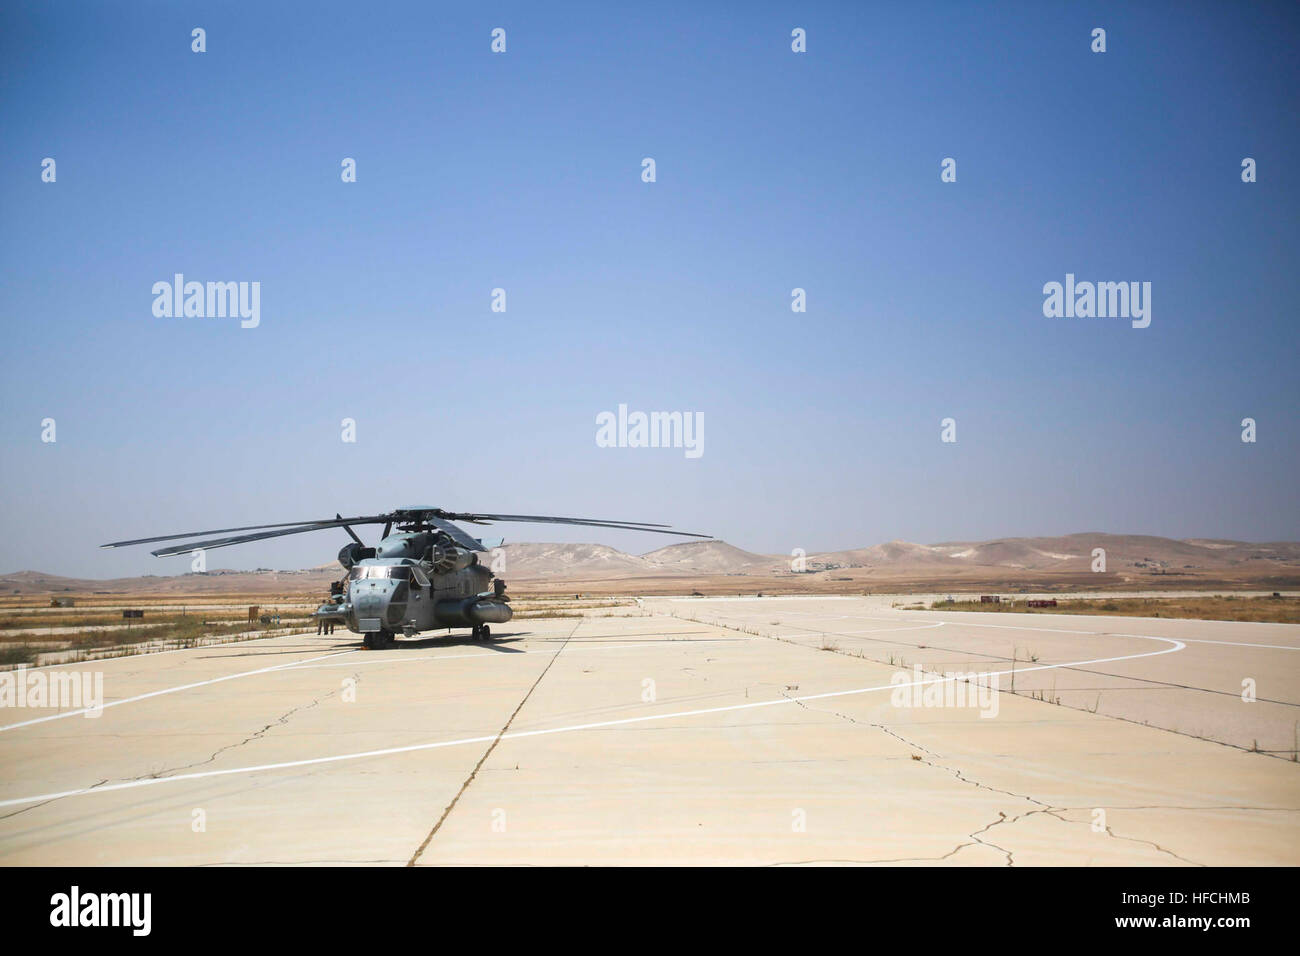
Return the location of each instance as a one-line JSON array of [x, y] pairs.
[[220, 561]]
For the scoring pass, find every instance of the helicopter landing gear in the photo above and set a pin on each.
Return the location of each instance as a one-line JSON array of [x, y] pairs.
[[378, 640], [482, 632]]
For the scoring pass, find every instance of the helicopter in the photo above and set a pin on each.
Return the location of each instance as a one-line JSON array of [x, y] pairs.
[[423, 574]]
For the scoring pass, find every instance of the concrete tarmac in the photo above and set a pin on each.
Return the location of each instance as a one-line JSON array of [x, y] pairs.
[[731, 731]]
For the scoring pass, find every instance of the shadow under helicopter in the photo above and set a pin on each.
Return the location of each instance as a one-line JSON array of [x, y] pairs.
[[325, 642], [453, 640]]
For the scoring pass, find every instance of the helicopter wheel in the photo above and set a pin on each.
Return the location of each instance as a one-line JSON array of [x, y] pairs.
[[481, 632], [378, 640]]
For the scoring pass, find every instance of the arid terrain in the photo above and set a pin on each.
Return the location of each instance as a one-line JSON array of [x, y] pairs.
[[1217, 580], [1065, 563], [1260, 608], [643, 687]]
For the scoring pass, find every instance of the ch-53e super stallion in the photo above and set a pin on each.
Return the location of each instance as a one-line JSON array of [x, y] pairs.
[[423, 576]]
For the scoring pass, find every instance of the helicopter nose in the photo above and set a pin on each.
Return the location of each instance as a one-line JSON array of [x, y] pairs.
[[370, 602], [378, 603]]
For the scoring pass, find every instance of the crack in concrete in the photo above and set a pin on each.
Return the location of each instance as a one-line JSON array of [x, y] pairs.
[[1289, 755], [157, 774], [900, 859], [975, 835], [1041, 808], [278, 722], [491, 747], [44, 803]]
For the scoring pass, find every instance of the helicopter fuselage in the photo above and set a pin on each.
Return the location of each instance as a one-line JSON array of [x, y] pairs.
[[413, 582], [425, 577]]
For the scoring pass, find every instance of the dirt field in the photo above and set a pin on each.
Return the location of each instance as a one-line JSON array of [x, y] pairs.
[[32, 632], [876, 581], [1217, 607]]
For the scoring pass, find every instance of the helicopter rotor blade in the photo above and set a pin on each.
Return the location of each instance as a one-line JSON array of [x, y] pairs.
[[211, 544], [581, 522], [405, 518], [251, 527], [459, 535], [550, 519]]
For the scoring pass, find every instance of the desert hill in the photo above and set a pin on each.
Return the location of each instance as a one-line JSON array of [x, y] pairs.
[[1067, 558], [707, 557]]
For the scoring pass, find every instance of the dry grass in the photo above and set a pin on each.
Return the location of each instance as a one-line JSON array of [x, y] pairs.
[[13, 654], [41, 600], [36, 622], [191, 631], [562, 607], [1283, 610]]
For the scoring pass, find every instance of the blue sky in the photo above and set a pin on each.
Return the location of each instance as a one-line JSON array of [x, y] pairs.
[[522, 170]]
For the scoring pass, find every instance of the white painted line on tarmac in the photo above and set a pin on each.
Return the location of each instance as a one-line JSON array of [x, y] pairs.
[[167, 690], [516, 735], [884, 630], [145, 655], [1276, 647], [574, 647]]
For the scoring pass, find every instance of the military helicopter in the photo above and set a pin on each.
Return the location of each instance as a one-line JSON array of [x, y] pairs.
[[424, 576]]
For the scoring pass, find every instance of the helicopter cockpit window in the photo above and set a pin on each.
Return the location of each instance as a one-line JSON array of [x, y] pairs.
[[400, 572]]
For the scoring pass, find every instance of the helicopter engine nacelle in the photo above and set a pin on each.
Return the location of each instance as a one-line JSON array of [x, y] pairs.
[[446, 558], [350, 554]]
